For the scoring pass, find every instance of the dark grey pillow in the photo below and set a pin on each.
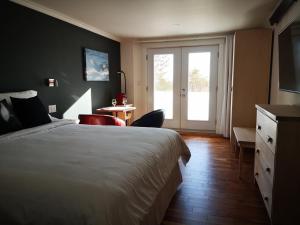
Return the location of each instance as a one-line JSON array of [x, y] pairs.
[[8, 120], [30, 111]]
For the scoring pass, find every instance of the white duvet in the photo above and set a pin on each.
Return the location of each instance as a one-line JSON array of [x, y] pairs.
[[64, 173]]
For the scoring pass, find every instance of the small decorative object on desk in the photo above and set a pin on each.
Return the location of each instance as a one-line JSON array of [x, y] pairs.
[[114, 102], [124, 101], [119, 98]]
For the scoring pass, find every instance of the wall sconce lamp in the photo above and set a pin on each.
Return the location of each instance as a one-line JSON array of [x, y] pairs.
[[122, 73], [52, 82]]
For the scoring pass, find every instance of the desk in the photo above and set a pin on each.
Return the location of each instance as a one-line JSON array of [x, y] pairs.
[[244, 138], [122, 112]]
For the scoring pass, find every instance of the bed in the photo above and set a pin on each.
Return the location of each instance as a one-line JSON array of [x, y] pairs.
[[64, 173]]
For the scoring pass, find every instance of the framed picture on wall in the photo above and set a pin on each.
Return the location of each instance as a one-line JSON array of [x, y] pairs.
[[96, 65]]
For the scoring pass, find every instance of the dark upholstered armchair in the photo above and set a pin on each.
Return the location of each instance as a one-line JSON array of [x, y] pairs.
[[98, 119], [152, 119]]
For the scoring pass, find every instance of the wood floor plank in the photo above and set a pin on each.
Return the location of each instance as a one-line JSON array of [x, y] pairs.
[[211, 192]]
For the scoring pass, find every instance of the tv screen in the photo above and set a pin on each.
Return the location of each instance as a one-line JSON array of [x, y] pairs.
[[289, 58]]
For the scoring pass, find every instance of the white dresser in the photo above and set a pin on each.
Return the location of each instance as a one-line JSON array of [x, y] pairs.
[[277, 161]]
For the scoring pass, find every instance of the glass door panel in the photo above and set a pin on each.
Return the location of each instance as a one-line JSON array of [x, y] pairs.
[[163, 68], [198, 86]]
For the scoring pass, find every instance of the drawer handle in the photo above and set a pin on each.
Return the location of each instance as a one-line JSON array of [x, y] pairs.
[[266, 198], [257, 151], [270, 140], [268, 170], [258, 127]]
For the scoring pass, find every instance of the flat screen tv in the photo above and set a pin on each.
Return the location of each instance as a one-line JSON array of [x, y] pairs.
[[289, 58]]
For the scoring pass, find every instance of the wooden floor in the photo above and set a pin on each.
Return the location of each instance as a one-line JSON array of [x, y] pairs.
[[211, 193]]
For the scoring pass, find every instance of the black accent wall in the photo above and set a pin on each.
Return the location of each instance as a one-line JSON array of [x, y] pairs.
[[34, 47]]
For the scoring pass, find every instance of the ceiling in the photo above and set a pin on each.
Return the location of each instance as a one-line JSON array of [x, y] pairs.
[[161, 18]]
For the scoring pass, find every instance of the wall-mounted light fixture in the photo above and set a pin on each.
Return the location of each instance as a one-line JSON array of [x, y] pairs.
[[52, 82], [122, 73]]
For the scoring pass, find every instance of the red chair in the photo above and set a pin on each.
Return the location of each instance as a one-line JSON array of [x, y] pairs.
[[97, 119]]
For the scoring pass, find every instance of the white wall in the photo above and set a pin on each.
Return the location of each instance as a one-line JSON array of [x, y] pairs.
[[139, 81], [277, 96], [127, 67], [131, 64]]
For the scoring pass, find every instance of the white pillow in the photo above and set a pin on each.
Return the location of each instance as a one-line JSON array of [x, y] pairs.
[[20, 94]]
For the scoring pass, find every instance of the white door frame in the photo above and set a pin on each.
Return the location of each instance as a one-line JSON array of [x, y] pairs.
[[197, 41], [175, 122], [209, 125]]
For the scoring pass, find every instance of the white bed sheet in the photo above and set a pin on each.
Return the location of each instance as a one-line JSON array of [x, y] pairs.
[[65, 173]]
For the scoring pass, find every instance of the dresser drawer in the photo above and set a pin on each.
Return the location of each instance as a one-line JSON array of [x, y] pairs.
[[267, 129], [264, 186], [265, 157]]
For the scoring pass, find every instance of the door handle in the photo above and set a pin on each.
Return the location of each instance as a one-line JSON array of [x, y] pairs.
[[183, 92]]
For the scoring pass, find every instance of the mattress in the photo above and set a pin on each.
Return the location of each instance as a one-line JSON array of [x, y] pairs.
[[65, 173]]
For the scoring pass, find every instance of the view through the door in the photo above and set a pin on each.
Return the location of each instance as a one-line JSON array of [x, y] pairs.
[[198, 84], [163, 83]]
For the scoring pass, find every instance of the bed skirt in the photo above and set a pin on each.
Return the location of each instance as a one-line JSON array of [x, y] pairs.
[[163, 199]]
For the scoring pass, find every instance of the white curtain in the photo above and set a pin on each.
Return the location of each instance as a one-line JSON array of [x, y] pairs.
[[224, 126]]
